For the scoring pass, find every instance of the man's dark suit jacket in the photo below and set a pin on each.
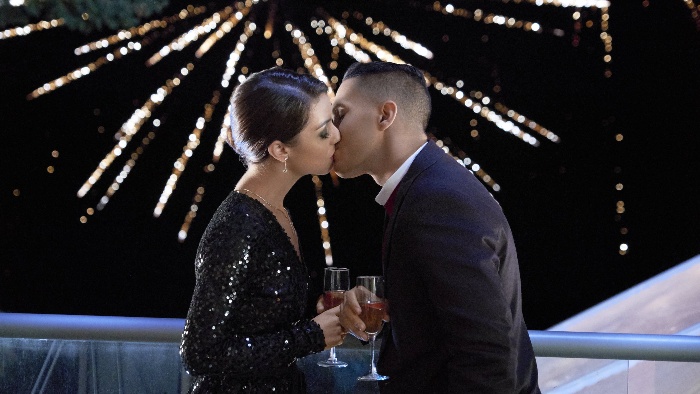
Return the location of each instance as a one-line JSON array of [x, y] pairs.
[[453, 286]]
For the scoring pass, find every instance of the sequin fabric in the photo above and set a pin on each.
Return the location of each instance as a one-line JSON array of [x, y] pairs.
[[245, 326]]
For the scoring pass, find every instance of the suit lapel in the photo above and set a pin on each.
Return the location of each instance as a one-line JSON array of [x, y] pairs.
[[429, 155]]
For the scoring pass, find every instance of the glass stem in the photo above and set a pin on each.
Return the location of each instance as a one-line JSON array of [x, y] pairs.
[[373, 370], [332, 357]]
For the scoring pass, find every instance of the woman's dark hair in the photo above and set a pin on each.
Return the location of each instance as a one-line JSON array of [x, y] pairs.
[[270, 105]]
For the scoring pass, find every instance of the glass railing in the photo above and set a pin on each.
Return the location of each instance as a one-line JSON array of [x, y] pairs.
[[76, 366], [102, 354]]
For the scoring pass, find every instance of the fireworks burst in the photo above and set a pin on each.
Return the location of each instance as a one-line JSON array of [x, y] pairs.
[[326, 41]]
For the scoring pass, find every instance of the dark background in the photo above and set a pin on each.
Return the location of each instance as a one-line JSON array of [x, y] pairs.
[[560, 198]]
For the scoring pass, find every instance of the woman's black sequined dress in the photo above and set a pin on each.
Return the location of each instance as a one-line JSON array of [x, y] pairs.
[[246, 326]]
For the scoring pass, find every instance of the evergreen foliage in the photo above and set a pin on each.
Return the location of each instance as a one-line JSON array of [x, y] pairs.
[[82, 15]]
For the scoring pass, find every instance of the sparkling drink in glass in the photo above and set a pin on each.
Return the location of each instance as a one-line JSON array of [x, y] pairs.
[[370, 295], [335, 282]]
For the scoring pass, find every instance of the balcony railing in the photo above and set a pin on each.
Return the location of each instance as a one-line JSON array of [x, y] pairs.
[[61, 353]]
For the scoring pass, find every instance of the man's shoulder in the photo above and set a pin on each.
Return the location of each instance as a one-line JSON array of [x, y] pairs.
[[446, 184], [446, 175]]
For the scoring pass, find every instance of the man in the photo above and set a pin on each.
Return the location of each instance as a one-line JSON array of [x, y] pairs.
[[449, 260]]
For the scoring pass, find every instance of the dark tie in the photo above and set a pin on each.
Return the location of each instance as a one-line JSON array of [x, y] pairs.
[[389, 206]]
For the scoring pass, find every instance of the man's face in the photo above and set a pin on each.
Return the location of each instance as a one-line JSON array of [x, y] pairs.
[[356, 117]]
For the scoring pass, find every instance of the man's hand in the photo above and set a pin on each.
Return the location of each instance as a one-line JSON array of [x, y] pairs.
[[350, 314]]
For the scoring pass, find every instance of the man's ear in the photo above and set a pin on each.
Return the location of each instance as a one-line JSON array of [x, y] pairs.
[[278, 151], [387, 115]]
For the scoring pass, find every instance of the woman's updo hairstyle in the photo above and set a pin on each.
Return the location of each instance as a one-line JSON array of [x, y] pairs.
[[270, 105]]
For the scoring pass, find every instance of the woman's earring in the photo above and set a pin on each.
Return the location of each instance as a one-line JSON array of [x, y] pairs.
[[285, 164]]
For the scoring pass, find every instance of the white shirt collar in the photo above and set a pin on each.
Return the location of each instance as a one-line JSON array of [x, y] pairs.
[[395, 178]]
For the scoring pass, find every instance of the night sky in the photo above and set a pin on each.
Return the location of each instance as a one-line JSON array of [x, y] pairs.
[[560, 198]]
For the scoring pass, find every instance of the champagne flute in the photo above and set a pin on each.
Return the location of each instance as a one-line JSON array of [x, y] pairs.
[[370, 296], [335, 282]]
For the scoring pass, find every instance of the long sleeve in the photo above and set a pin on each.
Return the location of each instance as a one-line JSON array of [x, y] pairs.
[[472, 312], [453, 285], [246, 318]]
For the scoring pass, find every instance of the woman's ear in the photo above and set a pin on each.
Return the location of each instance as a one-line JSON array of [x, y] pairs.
[[278, 150], [387, 115]]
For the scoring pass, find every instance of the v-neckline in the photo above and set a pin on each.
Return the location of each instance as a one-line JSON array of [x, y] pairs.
[[290, 243]]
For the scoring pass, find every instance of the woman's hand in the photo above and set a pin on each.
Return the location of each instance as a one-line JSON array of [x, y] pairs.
[[333, 332], [319, 305]]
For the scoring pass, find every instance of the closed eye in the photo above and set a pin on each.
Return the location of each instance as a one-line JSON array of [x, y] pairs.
[[337, 119]]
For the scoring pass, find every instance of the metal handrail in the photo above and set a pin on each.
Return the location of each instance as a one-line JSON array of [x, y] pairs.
[[595, 345], [91, 328], [615, 346]]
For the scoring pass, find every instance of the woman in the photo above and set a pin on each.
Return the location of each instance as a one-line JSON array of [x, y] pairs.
[[246, 326]]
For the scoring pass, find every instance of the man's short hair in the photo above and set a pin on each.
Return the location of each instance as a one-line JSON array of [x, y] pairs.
[[402, 83]]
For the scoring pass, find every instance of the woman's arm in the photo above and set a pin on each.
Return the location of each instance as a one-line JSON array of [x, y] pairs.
[[247, 307]]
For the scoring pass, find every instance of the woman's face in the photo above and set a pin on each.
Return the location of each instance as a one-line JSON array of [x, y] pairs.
[[315, 145]]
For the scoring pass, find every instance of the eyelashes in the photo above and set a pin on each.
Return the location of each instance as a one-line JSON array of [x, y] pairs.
[[337, 119], [325, 133]]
